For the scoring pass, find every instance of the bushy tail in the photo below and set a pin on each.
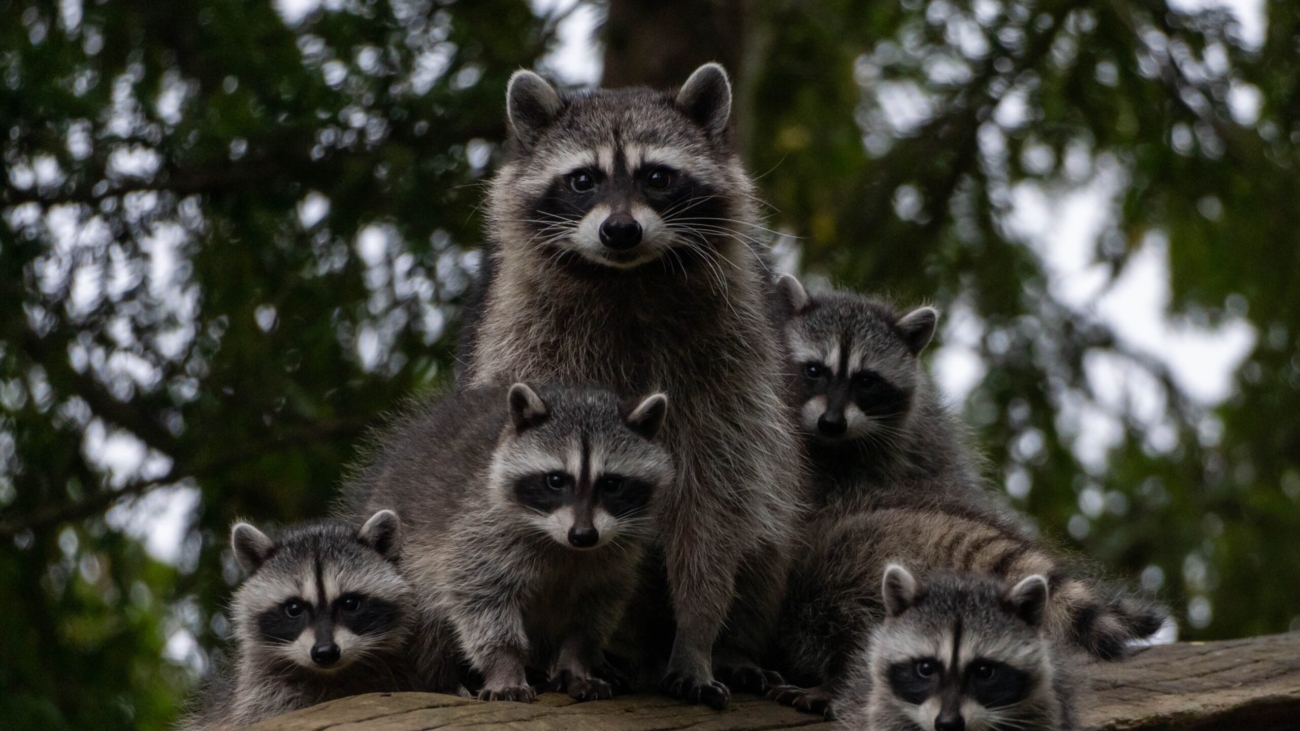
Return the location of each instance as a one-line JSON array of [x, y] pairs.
[[1101, 622]]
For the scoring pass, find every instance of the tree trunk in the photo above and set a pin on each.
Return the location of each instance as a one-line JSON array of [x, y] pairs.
[[658, 43]]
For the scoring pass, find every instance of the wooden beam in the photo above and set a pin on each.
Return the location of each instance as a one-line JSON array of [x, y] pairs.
[[1251, 684], [1247, 685]]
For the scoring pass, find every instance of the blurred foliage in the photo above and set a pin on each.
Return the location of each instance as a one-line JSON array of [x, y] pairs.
[[903, 142], [225, 250], [232, 241]]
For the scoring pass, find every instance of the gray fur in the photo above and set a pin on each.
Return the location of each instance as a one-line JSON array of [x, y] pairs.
[[992, 626], [273, 674], [685, 312], [835, 597], [496, 584], [903, 486]]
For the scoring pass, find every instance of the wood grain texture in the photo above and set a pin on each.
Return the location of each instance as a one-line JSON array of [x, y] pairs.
[[1251, 685]]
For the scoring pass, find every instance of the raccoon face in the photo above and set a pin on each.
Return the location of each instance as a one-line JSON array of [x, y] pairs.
[[580, 470], [620, 178], [323, 596], [856, 362], [961, 654]]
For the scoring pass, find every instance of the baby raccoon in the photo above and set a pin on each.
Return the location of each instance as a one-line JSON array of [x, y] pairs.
[[527, 513], [959, 653], [834, 600], [323, 615], [873, 425]]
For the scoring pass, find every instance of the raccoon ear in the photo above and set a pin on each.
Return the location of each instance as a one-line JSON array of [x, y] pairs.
[[383, 532], [793, 292], [531, 104], [648, 416], [706, 99], [527, 409], [251, 546], [1028, 599], [917, 328], [898, 590]]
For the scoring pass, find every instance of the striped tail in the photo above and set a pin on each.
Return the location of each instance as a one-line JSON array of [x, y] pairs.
[[1102, 623]]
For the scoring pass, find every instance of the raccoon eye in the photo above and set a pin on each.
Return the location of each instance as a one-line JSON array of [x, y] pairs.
[[582, 181], [926, 668], [294, 608], [556, 480], [609, 484], [984, 670], [350, 603], [865, 380], [814, 370], [659, 179]]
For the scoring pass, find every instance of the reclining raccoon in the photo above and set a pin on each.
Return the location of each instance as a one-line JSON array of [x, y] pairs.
[[834, 601], [959, 653]]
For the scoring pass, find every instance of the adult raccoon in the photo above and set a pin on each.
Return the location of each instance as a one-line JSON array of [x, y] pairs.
[[624, 249]]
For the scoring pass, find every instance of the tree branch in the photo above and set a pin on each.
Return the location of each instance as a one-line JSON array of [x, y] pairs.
[[200, 182], [48, 516]]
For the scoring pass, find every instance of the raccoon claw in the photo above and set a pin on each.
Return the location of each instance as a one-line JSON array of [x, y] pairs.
[[808, 700], [590, 689], [580, 688], [710, 692], [518, 694], [750, 679], [617, 680]]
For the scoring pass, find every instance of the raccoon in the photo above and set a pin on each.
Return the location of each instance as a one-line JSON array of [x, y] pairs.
[[624, 247], [873, 425], [527, 514], [324, 614], [959, 653], [891, 478], [834, 601]]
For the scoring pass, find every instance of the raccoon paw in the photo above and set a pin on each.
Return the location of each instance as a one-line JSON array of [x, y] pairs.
[[749, 678], [590, 689], [517, 693], [696, 690], [580, 688], [808, 700]]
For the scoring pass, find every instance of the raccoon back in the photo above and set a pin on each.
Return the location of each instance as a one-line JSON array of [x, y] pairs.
[[430, 459]]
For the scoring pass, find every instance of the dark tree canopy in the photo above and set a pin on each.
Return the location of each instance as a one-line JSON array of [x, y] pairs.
[[231, 243]]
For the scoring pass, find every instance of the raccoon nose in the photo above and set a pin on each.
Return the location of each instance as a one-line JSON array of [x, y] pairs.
[[832, 425], [620, 232], [325, 655], [583, 537], [946, 722]]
